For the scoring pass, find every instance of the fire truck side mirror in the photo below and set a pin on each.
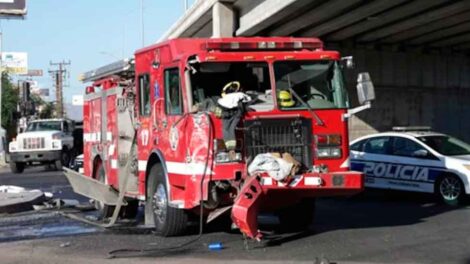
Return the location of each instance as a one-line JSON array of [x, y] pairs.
[[365, 88], [90, 89]]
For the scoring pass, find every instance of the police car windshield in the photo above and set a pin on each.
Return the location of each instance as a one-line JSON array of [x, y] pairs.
[[318, 83], [446, 145], [44, 126]]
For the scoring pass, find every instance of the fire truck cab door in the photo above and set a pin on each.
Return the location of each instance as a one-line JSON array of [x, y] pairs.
[[169, 114]]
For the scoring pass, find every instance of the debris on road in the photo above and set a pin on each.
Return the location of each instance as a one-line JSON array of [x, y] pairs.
[[15, 199], [64, 245]]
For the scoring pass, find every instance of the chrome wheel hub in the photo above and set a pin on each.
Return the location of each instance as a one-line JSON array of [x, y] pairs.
[[160, 203], [450, 188]]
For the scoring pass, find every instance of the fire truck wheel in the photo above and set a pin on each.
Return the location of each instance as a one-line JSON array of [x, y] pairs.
[[104, 210], [297, 217], [169, 221], [17, 167]]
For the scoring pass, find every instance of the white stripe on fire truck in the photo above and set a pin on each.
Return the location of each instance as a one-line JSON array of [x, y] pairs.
[[345, 164], [111, 149], [109, 136], [142, 165], [186, 168], [316, 181]]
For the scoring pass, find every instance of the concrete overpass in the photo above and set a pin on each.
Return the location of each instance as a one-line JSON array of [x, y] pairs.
[[417, 51]]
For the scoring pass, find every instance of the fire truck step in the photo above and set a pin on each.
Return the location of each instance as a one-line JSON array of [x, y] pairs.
[[92, 188]]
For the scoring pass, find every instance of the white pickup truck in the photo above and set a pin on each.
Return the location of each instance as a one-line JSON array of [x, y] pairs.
[[45, 141]]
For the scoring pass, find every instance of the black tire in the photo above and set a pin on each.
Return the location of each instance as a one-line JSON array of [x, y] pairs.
[[104, 210], [130, 210], [450, 190], [168, 221], [58, 165], [297, 217], [66, 156], [17, 167]]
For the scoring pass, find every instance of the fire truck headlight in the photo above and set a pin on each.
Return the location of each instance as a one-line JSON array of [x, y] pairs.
[[56, 144], [325, 153], [226, 157]]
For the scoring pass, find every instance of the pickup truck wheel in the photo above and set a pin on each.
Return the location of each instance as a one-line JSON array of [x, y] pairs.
[[58, 165], [17, 167], [297, 217], [104, 210], [66, 157], [169, 221], [450, 189]]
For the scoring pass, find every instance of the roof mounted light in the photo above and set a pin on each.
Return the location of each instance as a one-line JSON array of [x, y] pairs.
[[248, 45], [411, 128]]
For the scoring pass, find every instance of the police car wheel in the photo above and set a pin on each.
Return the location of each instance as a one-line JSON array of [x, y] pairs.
[[450, 189], [169, 221]]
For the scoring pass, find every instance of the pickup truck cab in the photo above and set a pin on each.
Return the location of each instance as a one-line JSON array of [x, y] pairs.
[[45, 141]]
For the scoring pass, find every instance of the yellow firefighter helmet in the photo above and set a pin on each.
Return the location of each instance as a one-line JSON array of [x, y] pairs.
[[285, 99]]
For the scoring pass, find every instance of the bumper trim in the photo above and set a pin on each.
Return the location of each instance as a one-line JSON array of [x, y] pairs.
[[36, 156]]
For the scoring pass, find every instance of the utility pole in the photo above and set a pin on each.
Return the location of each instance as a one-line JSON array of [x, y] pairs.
[[142, 21], [59, 75]]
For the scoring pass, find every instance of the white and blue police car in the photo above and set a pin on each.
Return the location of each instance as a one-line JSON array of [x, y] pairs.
[[414, 159]]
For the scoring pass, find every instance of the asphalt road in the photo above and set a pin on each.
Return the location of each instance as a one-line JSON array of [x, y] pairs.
[[375, 227]]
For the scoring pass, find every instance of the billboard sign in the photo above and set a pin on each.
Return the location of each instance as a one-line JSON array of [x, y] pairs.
[[15, 62], [33, 73], [77, 100], [13, 8], [44, 92]]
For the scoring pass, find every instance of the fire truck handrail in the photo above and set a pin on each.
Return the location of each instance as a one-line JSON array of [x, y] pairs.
[[124, 67]]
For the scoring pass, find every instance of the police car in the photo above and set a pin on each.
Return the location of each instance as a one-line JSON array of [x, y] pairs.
[[414, 159]]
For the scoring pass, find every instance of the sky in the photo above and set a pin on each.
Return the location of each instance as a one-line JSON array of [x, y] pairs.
[[89, 33]]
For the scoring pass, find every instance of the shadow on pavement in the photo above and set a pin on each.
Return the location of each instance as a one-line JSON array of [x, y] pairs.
[[375, 208], [371, 209]]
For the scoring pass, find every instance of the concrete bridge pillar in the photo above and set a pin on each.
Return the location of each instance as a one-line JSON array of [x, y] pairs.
[[223, 20]]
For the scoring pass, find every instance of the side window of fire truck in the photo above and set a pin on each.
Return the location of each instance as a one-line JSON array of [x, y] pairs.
[[173, 105], [144, 94]]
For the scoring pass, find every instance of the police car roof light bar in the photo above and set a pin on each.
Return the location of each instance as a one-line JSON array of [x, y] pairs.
[[411, 128]]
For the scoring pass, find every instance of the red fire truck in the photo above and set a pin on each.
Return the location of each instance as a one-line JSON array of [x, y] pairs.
[[207, 126]]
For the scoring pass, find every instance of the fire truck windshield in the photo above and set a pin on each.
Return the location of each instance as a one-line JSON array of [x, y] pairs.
[[319, 84], [44, 126], [209, 78]]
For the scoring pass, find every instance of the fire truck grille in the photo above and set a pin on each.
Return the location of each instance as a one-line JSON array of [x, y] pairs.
[[280, 135], [34, 143]]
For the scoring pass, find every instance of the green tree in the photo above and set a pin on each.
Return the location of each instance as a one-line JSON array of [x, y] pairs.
[[10, 100], [47, 110]]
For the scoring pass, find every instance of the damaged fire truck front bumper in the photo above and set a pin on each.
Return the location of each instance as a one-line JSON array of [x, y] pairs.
[[261, 190]]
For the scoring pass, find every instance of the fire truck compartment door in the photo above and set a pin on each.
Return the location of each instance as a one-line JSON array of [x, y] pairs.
[[91, 188]]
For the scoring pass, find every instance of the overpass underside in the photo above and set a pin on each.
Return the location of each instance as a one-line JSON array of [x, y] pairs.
[[417, 51]]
